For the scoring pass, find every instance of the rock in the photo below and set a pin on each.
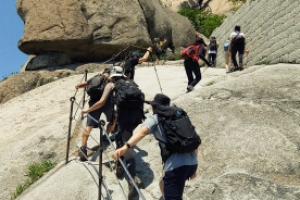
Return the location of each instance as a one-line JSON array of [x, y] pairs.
[[89, 31], [271, 38], [246, 152]]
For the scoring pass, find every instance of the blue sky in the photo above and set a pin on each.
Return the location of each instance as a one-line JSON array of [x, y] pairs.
[[12, 27]]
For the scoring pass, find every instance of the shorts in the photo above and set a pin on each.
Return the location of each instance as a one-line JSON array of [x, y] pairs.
[[107, 109], [227, 57], [174, 181], [158, 54]]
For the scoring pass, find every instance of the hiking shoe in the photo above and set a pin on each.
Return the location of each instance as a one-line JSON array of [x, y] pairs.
[[132, 191], [190, 88], [83, 154], [119, 170], [241, 66]]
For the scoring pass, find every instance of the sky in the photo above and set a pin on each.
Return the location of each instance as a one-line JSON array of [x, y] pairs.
[[12, 27]]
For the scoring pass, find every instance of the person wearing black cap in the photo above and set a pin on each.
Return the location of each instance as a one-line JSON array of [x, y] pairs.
[[178, 167], [129, 65]]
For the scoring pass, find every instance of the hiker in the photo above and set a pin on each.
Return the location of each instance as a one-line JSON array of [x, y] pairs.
[[212, 50], [129, 65], [178, 167], [129, 115], [158, 48], [191, 56], [237, 45], [200, 4], [98, 104], [227, 55]]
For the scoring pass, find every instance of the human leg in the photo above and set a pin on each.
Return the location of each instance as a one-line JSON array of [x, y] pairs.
[[174, 181], [241, 54], [188, 70], [233, 57], [213, 59], [196, 70]]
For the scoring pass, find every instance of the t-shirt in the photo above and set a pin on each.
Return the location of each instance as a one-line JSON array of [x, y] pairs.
[[176, 160], [129, 67]]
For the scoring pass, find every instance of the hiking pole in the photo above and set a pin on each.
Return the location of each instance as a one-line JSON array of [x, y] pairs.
[[101, 123], [156, 72], [83, 98], [72, 99]]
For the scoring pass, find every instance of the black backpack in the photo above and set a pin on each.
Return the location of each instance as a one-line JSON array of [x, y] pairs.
[[213, 45], [128, 94], [96, 86], [238, 40], [180, 133]]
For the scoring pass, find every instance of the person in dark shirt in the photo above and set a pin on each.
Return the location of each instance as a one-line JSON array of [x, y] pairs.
[[129, 65]]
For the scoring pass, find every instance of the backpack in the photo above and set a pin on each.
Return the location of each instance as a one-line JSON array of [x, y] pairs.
[[96, 86], [238, 40], [128, 94], [226, 45], [191, 52], [212, 45], [158, 47], [180, 134]]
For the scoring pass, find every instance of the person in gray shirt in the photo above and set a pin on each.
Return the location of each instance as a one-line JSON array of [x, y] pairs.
[[178, 168]]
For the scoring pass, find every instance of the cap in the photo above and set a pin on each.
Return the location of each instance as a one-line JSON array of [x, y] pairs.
[[200, 40], [116, 71], [135, 54], [160, 99]]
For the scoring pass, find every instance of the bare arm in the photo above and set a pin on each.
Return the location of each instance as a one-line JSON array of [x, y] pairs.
[[135, 138], [146, 55], [101, 102], [81, 85]]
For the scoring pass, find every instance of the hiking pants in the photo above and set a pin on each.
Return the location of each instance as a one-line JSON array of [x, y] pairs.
[[128, 120], [174, 181], [212, 58], [192, 66], [234, 50]]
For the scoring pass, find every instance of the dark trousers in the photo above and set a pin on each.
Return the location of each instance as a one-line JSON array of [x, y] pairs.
[[192, 66], [174, 181], [212, 58], [125, 132], [234, 50]]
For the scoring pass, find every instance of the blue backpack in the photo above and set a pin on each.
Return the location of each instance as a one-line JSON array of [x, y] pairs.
[[226, 45]]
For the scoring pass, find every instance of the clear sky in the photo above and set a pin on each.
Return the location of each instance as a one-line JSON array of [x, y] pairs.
[[12, 27]]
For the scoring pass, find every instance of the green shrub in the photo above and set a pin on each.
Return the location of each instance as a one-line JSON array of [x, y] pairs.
[[204, 22], [35, 171]]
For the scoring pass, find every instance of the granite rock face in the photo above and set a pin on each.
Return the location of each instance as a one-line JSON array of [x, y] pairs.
[[271, 29], [88, 31]]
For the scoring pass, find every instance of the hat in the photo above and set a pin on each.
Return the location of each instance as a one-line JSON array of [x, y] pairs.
[[200, 40], [135, 54], [160, 99], [116, 71]]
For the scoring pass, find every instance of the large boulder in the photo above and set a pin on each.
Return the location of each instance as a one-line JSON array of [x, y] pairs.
[[272, 33], [95, 30]]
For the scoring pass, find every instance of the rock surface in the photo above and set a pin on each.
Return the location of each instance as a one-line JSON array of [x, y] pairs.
[[271, 29], [248, 122], [88, 31]]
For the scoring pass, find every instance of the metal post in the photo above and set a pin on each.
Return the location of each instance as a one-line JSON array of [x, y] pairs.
[[72, 99], [101, 123], [83, 98]]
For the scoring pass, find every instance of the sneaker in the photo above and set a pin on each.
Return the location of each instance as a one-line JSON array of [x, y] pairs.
[[190, 88], [241, 66], [132, 191], [119, 170], [83, 154]]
